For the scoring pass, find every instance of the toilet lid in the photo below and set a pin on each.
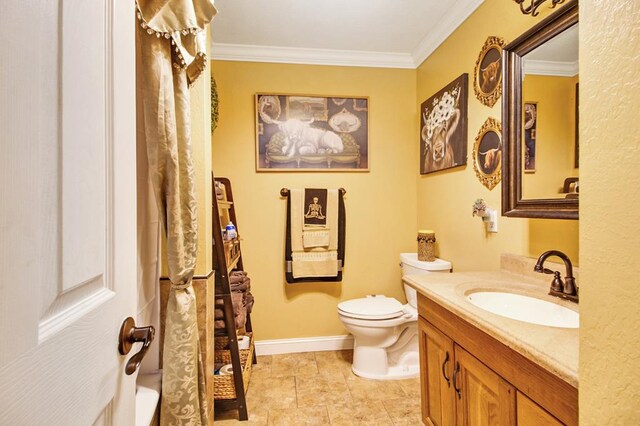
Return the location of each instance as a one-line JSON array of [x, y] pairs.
[[372, 307]]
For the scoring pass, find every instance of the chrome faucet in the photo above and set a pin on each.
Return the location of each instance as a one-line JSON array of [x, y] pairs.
[[565, 290]]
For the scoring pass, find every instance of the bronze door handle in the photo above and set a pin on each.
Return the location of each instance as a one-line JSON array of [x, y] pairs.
[[444, 373], [130, 334], [455, 375]]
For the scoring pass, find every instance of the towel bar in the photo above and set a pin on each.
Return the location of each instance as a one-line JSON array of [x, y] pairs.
[[285, 191]]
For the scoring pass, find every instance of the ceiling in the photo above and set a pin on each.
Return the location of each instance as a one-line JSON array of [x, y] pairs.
[[376, 33]]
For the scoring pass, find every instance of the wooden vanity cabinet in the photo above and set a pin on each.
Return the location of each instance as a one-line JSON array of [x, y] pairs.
[[478, 396], [469, 378]]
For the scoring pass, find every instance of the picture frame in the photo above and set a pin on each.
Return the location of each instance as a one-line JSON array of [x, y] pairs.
[[443, 127], [487, 153], [487, 74], [530, 129], [298, 132]]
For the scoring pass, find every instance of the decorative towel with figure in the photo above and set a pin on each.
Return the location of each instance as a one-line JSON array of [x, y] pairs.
[[314, 248]]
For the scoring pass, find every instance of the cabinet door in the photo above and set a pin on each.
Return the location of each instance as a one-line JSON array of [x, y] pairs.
[[482, 397], [531, 414], [436, 358]]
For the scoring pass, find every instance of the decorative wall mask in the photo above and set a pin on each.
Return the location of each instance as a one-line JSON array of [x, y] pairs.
[[443, 124], [487, 153], [487, 76]]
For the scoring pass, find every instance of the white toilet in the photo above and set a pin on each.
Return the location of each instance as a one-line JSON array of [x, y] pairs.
[[385, 331]]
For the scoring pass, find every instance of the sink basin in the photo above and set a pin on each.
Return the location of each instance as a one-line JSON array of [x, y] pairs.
[[525, 308]]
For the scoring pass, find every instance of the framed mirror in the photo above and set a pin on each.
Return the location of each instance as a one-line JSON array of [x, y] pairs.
[[540, 177]]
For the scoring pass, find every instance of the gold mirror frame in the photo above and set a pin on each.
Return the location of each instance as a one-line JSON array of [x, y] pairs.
[[490, 97], [513, 205], [490, 180]]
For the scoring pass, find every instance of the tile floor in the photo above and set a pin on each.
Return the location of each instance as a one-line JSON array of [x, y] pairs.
[[318, 388]]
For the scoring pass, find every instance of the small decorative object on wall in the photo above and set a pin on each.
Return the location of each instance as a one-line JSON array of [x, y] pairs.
[[530, 7], [443, 124], [530, 126], [487, 76], [299, 132], [488, 216], [487, 153]]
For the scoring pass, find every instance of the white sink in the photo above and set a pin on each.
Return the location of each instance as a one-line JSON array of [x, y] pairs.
[[525, 308]]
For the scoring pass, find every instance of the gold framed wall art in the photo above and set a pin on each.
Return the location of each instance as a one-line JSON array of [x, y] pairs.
[[487, 153], [487, 75], [311, 133]]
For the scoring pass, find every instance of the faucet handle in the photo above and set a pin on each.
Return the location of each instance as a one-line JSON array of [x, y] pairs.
[[539, 268], [556, 284]]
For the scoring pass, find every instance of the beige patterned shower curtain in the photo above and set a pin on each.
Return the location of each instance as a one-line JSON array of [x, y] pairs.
[[171, 55]]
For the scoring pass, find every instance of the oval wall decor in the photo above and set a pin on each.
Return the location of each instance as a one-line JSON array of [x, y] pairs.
[[487, 153], [487, 75]]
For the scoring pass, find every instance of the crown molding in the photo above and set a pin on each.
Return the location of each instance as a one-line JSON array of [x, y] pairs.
[[551, 68], [460, 11], [296, 55], [352, 58]]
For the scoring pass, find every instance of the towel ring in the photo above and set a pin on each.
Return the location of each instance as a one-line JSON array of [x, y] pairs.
[[284, 192]]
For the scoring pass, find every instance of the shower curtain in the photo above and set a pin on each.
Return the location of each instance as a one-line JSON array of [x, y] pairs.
[[171, 55]]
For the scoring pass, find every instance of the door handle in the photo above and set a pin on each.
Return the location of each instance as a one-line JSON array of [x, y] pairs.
[[130, 334], [444, 373], [455, 375]]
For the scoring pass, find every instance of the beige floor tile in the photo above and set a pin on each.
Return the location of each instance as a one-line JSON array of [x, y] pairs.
[[334, 362], [257, 417], [359, 413], [404, 411], [322, 389], [273, 392], [366, 389], [411, 387], [262, 368], [310, 416], [294, 364]]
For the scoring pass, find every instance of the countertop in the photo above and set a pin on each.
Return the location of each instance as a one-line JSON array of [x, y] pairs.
[[554, 349]]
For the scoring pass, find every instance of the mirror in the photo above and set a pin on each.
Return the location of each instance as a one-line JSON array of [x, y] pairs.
[[540, 119]]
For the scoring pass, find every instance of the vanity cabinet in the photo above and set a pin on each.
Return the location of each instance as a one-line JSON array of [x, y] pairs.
[[470, 378], [459, 389]]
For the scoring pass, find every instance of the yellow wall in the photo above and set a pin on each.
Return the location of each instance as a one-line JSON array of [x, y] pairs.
[[445, 198], [380, 204], [609, 173], [555, 140]]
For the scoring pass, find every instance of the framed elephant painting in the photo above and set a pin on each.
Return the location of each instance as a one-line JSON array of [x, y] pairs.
[[443, 128], [311, 133]]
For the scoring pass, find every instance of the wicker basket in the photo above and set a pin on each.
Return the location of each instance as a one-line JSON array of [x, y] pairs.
[[426, 246], [223, 386]]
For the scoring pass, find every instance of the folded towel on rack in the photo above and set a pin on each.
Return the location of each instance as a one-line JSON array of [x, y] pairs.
[[315, 228], [316, 237]]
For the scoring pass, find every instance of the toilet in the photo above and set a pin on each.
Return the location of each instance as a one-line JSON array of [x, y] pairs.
[[385, 331]]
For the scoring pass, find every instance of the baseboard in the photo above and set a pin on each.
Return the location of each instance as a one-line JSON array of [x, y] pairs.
[[304, 344]]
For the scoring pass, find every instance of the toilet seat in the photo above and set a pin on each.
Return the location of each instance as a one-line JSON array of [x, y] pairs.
[[372, 308]]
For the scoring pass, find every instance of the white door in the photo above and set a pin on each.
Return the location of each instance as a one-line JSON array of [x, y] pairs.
[[67, 210]]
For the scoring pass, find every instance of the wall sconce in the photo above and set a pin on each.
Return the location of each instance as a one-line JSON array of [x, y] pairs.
[[533, 5], [488, 216]]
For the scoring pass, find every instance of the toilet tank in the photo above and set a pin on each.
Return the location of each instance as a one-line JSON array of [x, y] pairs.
[[412, 266]]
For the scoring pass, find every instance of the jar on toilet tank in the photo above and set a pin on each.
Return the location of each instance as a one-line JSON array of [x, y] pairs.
[[426, 245]]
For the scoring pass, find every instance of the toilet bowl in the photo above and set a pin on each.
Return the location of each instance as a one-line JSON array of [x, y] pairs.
[[385, 331]]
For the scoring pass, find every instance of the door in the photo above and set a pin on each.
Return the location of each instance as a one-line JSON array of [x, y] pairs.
[[482, 397], [436, 351], [67, 210]]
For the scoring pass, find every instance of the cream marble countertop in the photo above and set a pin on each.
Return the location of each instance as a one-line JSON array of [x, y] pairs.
[[554, 349]]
